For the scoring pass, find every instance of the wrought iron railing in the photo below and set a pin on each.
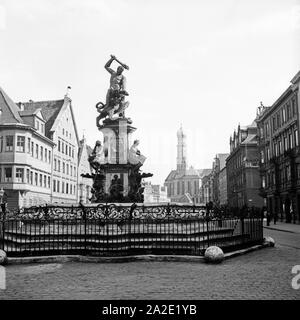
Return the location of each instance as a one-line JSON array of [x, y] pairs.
[[124, 229]]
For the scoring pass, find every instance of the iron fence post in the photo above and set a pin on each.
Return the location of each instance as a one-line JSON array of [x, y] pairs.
[[3, 217], [207, 226], [243, 227], [84, 220]]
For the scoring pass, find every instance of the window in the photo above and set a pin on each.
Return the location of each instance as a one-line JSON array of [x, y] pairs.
[[63, 131], [66, 150], [36, 179], [74, 171], [262, 156], [279, 147], [54, 185], [294, 107], [59, 145], [62, 187], [32, 149], [288, 111], [296, 137], [263, 184], [63, 167], [49, 183], [41, 180], [67, 168], [70, 151], [274, 123], [49, 156], [28, 176], [37, 125], [28, 145], [67, 188], [71, 170], [42, 153], [57, 186], [58, 165], [19, 175], [20, 144], [285, 143], [290, 141], [31, 177], [278, 120], [9, 143], [37, 151], [62, 147], [42, 128], [1, 144], [45, 181], [55, 162], [74, 188], [46, 154], [73, 153], [8, 174]]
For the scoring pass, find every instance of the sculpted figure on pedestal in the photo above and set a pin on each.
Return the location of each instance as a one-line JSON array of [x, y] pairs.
[[115, 98]]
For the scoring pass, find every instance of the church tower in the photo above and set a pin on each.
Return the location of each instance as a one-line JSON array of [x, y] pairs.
[[181, 151]]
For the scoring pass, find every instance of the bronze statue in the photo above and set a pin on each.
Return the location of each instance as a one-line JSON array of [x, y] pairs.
[[115, 97]]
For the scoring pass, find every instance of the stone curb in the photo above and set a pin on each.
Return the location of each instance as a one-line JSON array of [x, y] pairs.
[[276, 229], [160, 258]]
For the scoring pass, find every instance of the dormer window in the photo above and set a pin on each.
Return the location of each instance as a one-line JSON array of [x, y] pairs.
[[37, 125]]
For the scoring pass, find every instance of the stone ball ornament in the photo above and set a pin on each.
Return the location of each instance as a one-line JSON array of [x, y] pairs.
[[214, 254], [270, 241], [3, 257]]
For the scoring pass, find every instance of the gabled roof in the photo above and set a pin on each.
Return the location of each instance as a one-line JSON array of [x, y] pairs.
[[7, 103], [204, 172], [251, 139], [199, 173], [49, 110], [171, 175], [82, 146]]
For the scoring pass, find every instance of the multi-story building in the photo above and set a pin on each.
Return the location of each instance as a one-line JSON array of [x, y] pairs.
[[25, 155], [242, 166], [84, 184], [278, 130], [38, 152], [218, 165], [154, 193], [207, 189], [223, 198], [184, 184]]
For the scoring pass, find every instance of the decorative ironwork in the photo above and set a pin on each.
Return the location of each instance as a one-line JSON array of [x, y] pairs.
[[112, 211], [117, 229]]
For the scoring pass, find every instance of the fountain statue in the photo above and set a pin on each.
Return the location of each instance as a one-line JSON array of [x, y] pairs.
[[116, 162]]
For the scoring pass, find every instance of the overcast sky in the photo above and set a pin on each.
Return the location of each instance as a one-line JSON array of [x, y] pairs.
[[203, 64]]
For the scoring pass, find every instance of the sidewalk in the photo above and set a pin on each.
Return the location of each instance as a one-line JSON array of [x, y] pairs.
[[283, 226]]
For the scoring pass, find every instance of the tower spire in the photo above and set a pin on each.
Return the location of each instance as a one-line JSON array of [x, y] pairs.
[[181, 150]]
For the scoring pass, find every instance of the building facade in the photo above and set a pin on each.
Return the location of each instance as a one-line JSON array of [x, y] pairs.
[[223, 198], [84, 184], [278, 131], [38, 152], [207, 189], [154, 193], [242, 166], [218, 165], [184, 184]]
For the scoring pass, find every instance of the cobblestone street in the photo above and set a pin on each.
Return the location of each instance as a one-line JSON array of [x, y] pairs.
[[263, 274]]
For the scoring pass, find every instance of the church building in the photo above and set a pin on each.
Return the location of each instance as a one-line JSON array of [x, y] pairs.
[[184, 184]]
